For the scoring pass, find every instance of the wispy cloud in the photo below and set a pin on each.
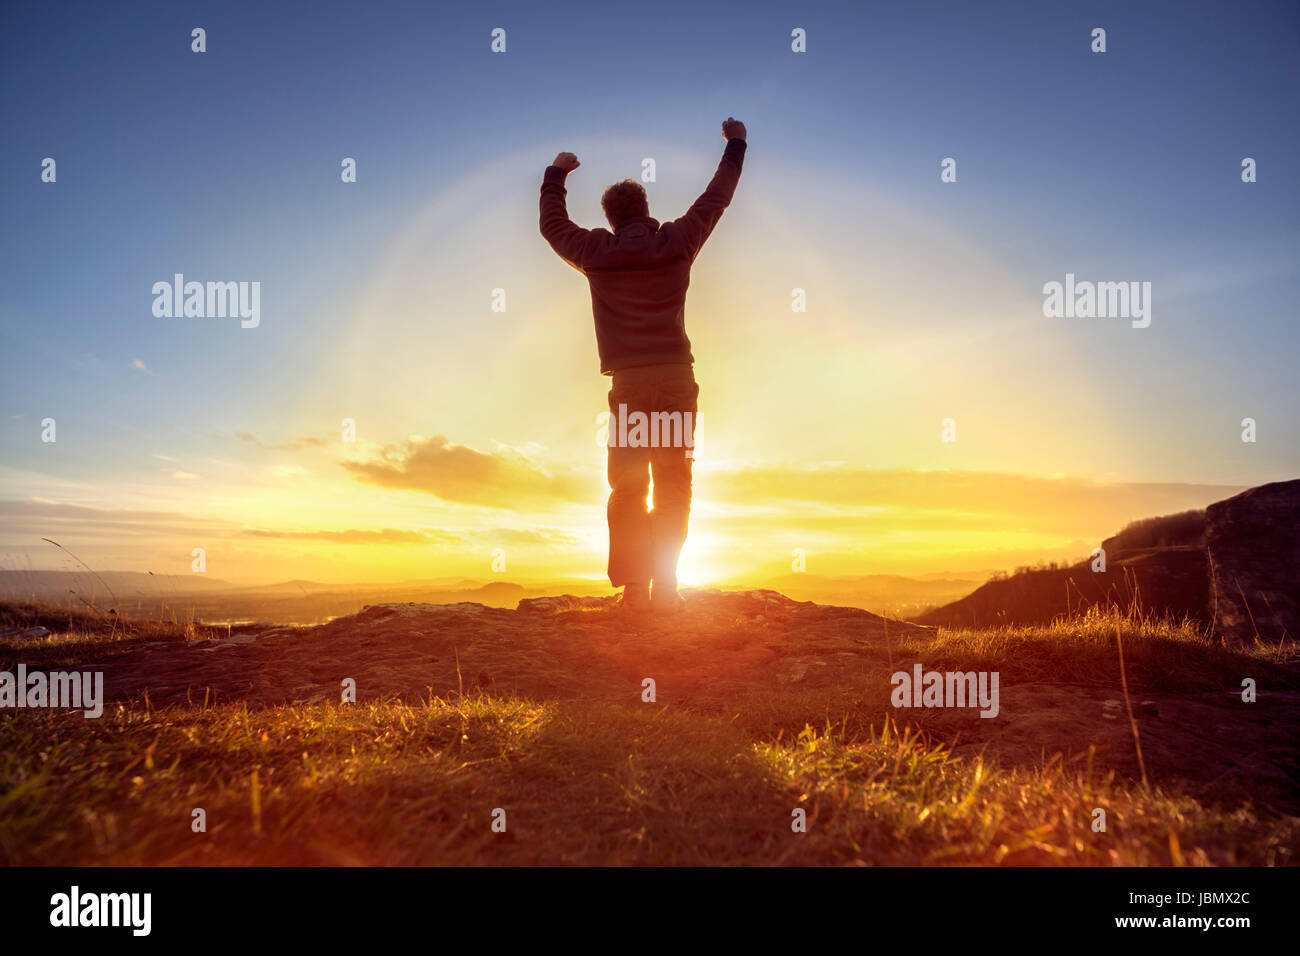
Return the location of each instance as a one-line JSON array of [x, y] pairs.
[[42, 516], [503, 479], [248, 438], [356, 536], [956, 499]]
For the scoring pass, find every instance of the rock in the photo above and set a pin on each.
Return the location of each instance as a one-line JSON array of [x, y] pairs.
[[407, 611], [24, 633], [1253, 543], [215, 644], [565, 602], [1114, 709]]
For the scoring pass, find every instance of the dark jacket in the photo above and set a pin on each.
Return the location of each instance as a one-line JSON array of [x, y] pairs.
[[639, 273]]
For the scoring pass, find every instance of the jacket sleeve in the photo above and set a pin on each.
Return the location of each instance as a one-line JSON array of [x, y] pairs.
[[704, 214], [566, 237]]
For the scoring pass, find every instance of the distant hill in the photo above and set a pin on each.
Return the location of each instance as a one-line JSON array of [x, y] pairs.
[[1232, 566], [1183, 530], [303, 601], [56, 585], [202, 599]]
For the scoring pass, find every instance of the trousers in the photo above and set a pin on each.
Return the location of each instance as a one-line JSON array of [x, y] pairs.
[[645, 543]]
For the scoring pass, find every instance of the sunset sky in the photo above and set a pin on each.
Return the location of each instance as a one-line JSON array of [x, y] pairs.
[[476, 430]]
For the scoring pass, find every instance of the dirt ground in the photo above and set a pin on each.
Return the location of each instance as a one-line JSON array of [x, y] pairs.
[[735, 651]]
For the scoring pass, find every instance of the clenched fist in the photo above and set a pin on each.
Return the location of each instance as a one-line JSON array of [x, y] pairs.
[[733, 129], [567, 162]]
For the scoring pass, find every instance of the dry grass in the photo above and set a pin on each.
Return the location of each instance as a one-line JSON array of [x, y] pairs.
[[588, 780]]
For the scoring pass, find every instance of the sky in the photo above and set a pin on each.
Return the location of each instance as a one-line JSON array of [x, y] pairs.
[[475, 430]]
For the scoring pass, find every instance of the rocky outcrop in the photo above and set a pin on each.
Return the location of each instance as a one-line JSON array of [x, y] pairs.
[[1234, 567], [1166, 582], [1253, 546]]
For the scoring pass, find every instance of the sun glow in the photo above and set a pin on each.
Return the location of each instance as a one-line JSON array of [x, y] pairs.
[[701, 562]]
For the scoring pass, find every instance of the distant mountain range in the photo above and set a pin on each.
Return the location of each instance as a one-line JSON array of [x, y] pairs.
[[310, 602], [211, 600]]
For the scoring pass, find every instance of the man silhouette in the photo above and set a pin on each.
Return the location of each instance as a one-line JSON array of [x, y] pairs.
[[638, 275]]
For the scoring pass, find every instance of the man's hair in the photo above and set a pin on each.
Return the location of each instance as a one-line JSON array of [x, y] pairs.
[[624, 201]]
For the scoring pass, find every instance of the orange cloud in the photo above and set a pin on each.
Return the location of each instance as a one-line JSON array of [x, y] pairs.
[[504, 479], [957, 499]]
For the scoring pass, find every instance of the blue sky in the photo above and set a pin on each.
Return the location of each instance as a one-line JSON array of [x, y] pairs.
[[225, 165]]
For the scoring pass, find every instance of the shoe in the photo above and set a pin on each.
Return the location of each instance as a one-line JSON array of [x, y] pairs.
[[635, 598]]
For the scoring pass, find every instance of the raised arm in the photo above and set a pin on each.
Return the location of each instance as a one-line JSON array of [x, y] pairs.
[[705, 212], [566, 237]]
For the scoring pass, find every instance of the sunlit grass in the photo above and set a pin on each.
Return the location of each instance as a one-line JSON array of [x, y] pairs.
[[580, 783], [588, 781], [893, 799]]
